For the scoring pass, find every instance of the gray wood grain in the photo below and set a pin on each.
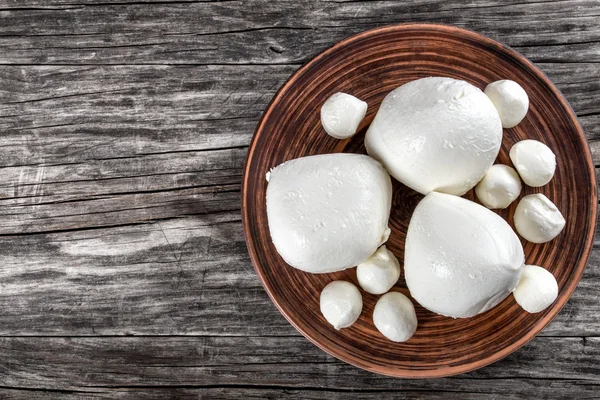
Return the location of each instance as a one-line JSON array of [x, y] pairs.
[[260, 31], [124, 127], [559, 390], [260, 365], [180, 276]]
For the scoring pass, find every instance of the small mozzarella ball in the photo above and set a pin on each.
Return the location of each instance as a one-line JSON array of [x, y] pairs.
[[341, 304], [499, 187], [341, 114], [534, 161], [536, 290], [379, 272], [510, 101], [537, 219], [394, 316]]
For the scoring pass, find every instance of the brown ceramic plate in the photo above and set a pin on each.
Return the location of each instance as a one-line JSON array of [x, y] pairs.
[[368, 66]]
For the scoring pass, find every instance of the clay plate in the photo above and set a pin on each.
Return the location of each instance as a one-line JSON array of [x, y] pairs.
[[368, 66]]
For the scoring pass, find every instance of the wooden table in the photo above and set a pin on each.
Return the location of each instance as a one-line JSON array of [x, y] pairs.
[[123, 269]]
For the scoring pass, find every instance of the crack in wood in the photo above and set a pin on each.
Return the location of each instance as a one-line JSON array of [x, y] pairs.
[[62, 97]]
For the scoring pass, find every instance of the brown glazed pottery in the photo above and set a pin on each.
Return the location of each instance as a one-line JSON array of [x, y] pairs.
[[368, 66]]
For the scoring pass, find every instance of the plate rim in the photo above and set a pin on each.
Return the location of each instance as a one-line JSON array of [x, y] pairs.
[[556, 307]]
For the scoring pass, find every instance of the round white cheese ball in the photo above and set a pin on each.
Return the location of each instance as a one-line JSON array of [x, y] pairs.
[[328, 212], [499, 187], [537, 219], [394, 316], [379, 272], [460, 258], [436, 134], [536, 290], [341, 304], [534, 161], [511, 101], [341, 114]]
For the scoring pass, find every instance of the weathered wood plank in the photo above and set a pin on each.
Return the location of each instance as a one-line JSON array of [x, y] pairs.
[[93, 156], [121, 209], [465, 4], [51, 115], [146, 394], [276, 32], [80, 113], [111, 393], [109, 145], [517, 389], [523, 390], [48, 183], [58, 114], [213, 362], [182, 276]]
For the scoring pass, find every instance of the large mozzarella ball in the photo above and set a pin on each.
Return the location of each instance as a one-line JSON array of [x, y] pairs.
[[460, 258], [379, 272], [341, 114], [341, 304], [499, 187], [328, 212], [534, 161], [436, 134], [394, 316], [536, 290], [537, 219], [511, 101]]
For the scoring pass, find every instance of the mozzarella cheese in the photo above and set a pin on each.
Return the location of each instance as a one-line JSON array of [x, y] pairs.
[[499, 187], [537, 219], [341, 114], [510, 99], [379, 272], [394, 316], [437, 134], [328, 212], [341, 304], [460, 258], [534, 161], [536, 290]]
